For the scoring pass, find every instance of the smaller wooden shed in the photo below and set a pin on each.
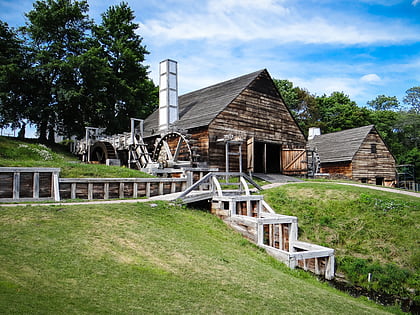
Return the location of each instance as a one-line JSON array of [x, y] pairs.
[[359, 154]]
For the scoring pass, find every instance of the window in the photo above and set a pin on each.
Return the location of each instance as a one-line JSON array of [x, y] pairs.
[[373, 148]]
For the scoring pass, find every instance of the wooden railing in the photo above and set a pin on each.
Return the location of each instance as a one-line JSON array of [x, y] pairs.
[[29, 184], [114, 188]]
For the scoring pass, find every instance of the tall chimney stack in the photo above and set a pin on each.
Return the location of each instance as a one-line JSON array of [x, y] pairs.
[[168, 94], [313, 132]]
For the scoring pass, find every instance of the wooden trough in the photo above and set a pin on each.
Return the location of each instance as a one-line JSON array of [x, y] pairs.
[[251, 216]]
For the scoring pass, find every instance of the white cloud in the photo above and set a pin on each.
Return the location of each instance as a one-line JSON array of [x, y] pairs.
[[249, 20], [370, 78], [415, 2]]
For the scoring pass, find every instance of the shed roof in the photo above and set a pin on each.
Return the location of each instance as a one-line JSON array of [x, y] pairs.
[[199, 108], [339, 146]]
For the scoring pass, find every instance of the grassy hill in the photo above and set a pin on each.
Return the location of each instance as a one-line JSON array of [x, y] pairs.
[[371, 231], [160, 258], [147, 259], [28, 153]]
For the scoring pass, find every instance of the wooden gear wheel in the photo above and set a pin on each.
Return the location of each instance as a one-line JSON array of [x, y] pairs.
[[173, 149]]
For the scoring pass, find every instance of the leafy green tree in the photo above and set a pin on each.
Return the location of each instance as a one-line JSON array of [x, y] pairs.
[[130, 93], [412, 99], [12, 67], [339, 112], [382, 102], [57, 35], [301, 103]]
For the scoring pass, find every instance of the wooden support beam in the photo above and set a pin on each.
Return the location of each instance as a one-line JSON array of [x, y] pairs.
[[135, 190], [106, 191], [90, 191], [73, 191], [35, 193], [16, 185]]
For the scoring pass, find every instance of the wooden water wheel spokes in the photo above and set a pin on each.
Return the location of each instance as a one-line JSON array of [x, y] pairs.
[[173, 148]]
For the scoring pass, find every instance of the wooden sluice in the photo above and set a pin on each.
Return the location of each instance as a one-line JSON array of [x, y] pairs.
[[251, 216]]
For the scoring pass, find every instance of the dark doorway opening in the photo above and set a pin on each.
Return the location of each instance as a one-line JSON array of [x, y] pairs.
[[267, 157], [379, 181]]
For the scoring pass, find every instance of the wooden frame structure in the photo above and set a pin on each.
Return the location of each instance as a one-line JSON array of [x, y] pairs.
[[29, 184]]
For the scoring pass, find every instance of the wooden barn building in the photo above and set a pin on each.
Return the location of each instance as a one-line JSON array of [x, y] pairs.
[[358, 154], [246, 112]]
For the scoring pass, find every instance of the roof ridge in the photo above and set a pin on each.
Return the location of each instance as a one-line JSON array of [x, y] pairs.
[[251, 74]]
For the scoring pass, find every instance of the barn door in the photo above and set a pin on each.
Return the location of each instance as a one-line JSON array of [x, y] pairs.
[[250, 154], [294, 161]]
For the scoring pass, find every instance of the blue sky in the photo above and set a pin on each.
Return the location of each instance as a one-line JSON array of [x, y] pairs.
[[362, 48]]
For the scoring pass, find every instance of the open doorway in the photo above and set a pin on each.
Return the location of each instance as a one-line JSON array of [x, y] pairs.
[[266, 157]]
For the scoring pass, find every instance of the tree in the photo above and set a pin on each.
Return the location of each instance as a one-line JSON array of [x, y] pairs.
[[339, 112], [12, 66], [301, 103], [382, 102], [412, 99], [130, 93], [56, 31]]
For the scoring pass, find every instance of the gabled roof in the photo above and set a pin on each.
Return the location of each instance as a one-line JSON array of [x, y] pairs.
[[339, 146], [199, 108]]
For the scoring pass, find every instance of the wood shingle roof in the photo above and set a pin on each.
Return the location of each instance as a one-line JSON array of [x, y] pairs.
[[339, 146], [199, 108]]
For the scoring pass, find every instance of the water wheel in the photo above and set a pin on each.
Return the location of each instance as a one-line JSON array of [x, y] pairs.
[[101, 151], [173, 149]]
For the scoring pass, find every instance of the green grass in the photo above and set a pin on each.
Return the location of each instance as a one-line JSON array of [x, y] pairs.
[[371, 231], [27, 153], [147, 259]]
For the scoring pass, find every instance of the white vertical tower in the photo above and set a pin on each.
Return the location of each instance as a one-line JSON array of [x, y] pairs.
[[168, 94], [313, 132]]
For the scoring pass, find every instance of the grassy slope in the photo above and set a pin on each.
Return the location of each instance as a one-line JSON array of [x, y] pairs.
[[141, 258], [29, 154], [365, 226]]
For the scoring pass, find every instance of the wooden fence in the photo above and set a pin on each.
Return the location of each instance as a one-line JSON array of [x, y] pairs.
[[40, 184], [114, 188], [29, 184]]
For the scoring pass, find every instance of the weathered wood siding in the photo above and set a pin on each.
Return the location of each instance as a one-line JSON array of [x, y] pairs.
[[368, 166], [259, 113], [338, 169]]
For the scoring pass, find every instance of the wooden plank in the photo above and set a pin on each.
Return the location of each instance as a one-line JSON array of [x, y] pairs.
[[90, 191], [106, 191], [73, 191], [148, 189], [16, 185], [135, 190], [36, 185], [121, 191]]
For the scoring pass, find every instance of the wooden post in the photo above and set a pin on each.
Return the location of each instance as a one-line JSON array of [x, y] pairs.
[[35, 193], [90, 191], [56, 186], [16, 185], [106, 191], [135, 190], [260, 233], [329, 268], [73, 191], [160, 192], [121, 190], [148, 190]]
